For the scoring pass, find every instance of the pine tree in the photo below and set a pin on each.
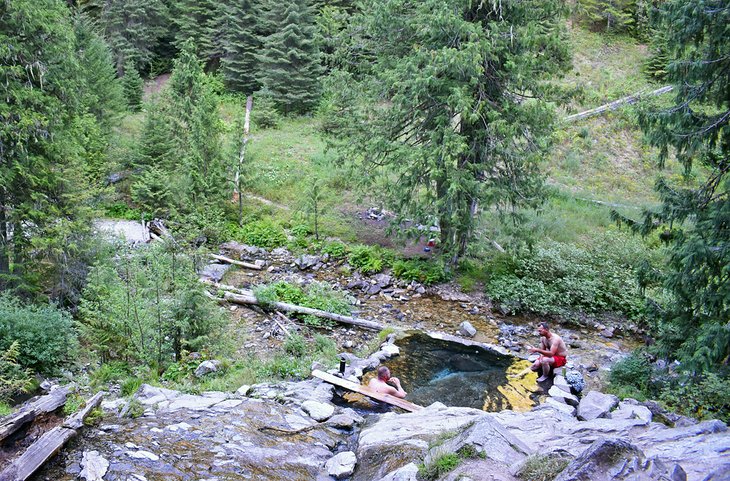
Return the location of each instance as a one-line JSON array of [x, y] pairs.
[[133, 86], [290, 67], [449, 115], [133, 28], [611, 15], [196, 20], [696, 128], [50, 146], [239, 44]]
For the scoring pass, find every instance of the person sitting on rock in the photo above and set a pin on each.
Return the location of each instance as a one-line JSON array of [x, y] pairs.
[[552, 351], [385, 384]]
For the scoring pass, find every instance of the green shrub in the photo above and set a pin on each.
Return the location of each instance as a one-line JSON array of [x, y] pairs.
[[5, 409], [45, 334], [705, 396], [634, 370], [443, 464], [318, 295], [280, 291], [295, 345], [423, 271], [368, 259], [262, 233], [73, 403], [120, 210], [108, 372], [335, 249], [131, 385], [539, 467], [14, 379]]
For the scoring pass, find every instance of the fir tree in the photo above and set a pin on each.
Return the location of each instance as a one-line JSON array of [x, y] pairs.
[[133, 28], [694, 325], [239, 44], [290, 67], [133, 86], [611, 15], [449, 116], [196, 20]]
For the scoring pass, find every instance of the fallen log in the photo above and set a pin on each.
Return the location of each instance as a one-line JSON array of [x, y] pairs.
[[617, 103], [257, 266], [226, 287], [283, 306], [45, 404], [48, 445]]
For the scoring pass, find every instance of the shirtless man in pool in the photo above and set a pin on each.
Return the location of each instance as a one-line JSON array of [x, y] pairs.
[[385, 384], [552, 351]]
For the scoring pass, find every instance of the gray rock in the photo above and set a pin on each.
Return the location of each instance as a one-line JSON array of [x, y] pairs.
[[466, 329], [383, 280], [317, 410], [408, 472], [143, 455], [559, 406], [214, 272], [305, 261], [373, 289], [562, 396], [617, 459], [390, 349], [93, 466], [341, 465], [596, 405], [720, 474], [560, 382], [243, 390], [631, 411], [207, 367]]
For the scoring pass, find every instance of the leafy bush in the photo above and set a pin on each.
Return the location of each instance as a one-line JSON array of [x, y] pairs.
[[335, 249], [295, 345], [120, 210], [368, 259], [265, 115], [556, 276], [423, 271], [45, 334], [280, 291], [14, 379], [318, 295], [634, 370], [262, 233]]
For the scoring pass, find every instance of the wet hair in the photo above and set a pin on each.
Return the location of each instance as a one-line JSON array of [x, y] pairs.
[[383, 373], [544, 325]]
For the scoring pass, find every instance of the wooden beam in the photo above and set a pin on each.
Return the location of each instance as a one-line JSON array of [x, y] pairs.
[[45, 404], [358, 388], [228, 260], [23, 467], [283, 306]]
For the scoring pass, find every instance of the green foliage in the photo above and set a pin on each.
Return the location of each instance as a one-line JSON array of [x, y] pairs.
[[289, 62], [634, 370], [440, 466], [14, 379], [5, 409], [317, 295], [609, 15], [368, 259], [197, 22], [555, 277], [295, 345], [335, 249], [120, 210], [542, 467], [130, 386], [239, 45], [133, 85], [264, 114], [412, 76], [74, 402], [280, 291], [135, 409], [424, 271], [147, 307], [45, 334], [695, 128], [262, 233]]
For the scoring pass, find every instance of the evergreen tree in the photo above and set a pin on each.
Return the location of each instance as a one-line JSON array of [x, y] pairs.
[[133, 28], [133, 86], [239, 44], [695, 327], [196, 20], [50, 145], [449, 115], [102, 93], [290, 67], [611, 15]]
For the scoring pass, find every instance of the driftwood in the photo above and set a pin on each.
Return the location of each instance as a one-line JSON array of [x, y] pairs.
[[617, 103], [250, 299], [358, 388], [48, 445], [257, 266], [46, 404]]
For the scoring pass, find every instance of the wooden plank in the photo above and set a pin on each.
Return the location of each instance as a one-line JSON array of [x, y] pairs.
[[228, 260], [358, 388], [37, 454], [48, 445], [283, 306], [45, 404]]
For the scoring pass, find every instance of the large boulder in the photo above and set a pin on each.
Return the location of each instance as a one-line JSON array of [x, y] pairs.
[[317, 410], [617, 459], [596, 405], [207, 367], [398, 439], [93, 466]]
